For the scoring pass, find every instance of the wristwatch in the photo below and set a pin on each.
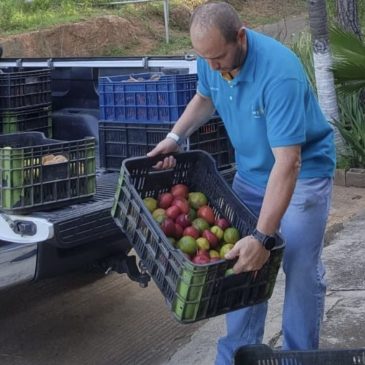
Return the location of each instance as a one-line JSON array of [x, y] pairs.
[[267, 241], [175, 137]]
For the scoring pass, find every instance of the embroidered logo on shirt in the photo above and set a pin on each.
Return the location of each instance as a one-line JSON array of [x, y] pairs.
[[257, 111]]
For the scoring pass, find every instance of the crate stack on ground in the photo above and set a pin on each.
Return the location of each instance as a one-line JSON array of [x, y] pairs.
[[137, 111], [25, 100]]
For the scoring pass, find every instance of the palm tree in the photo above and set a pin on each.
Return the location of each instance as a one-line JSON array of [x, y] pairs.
[[347, 16], [349, 72], [349, 61], [322, 61]]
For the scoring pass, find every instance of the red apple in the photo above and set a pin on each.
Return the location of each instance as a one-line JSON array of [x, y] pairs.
[[206, 213], [182, 204], [165, 200], [202, 252], [201, 259], [168, 227], [183, 220], [178, 231], [180, 190], [173, 211], [191, 231], [223, 223], [211, 237]]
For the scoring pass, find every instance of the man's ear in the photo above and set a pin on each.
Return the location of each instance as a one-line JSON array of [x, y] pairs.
[[241, 34]]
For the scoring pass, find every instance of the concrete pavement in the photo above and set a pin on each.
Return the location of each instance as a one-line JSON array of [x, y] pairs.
[[344, 257]]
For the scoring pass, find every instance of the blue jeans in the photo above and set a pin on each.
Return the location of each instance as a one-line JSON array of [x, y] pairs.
[[303, 227]]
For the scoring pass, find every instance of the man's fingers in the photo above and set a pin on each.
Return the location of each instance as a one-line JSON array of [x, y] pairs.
[[159, 165], [231, 254], [172, 161], [167, 163], [151, 153]]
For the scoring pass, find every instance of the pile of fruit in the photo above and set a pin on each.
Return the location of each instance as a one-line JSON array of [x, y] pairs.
[[190, 224]]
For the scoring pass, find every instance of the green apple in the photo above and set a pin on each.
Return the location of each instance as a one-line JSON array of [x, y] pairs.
[[231, 235], [214, 254], [224, 249], [203, 243], [218, 231]]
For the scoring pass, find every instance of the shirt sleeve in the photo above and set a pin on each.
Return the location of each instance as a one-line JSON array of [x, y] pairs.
[[285, 113], [203, 86]]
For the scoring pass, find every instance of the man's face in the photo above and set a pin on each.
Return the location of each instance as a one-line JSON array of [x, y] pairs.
[[220, 55]]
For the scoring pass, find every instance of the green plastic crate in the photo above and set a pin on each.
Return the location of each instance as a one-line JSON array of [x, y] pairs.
[[38, 119], [193, 292], [28, 185]]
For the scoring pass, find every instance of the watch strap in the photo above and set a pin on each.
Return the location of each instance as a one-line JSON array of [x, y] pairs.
[[175, 137], [267, 240]]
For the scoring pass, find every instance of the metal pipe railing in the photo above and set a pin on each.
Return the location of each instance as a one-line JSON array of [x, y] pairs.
[[165, 11]]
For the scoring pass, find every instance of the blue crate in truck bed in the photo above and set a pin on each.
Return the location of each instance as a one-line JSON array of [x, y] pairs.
[[145, 98]]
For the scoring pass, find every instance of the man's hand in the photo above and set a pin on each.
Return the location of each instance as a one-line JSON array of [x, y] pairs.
[[252, 255], [166, 146]]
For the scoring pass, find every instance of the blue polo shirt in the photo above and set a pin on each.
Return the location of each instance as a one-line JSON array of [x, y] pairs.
[[269, 104]]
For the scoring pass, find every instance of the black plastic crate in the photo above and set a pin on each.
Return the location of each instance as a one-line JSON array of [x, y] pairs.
[[118, 141], [30, 119], [264, 355], [228, 173], [193, 292], [20, 88], [29, 183], [212, 137]]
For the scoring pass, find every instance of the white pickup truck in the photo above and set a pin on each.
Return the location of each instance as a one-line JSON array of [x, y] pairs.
[[48, 243]]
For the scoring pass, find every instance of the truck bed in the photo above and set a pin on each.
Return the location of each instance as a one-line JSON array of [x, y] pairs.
[[79, 223], [67, 238]]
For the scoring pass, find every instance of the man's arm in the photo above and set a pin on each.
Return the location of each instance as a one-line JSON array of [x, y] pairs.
[[196, 113], [279, 190]]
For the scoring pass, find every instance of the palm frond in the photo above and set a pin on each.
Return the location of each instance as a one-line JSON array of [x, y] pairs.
[[351, 125], [343, 42], [348, 61]]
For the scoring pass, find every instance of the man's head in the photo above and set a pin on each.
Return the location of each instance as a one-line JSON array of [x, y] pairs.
[[218, 36]]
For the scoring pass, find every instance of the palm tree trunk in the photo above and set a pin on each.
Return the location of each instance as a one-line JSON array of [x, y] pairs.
[[347, 16], [322, 60]]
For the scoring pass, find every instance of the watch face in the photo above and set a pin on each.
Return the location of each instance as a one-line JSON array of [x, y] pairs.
[[269, 243]]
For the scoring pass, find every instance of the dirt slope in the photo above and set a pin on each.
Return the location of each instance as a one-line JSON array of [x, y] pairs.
[[132, 36]]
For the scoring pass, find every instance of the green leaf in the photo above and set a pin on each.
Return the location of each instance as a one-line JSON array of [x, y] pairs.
[[348, 61]]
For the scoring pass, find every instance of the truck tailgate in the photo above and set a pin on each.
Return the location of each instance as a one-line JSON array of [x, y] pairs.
[[71, 225]]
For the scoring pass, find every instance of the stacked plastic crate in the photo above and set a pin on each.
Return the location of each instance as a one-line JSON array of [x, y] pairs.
[[37, 172], [25, 100], [137, 111]]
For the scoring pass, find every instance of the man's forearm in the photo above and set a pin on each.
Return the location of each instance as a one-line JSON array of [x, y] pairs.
[[278, 194], [197, 112]]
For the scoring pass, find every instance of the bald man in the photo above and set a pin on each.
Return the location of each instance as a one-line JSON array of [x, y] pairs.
[[285, 160]]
